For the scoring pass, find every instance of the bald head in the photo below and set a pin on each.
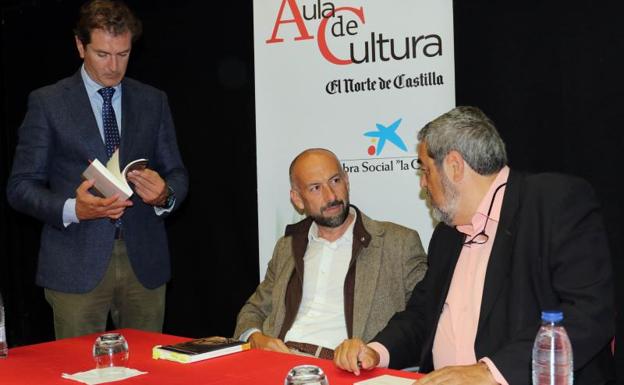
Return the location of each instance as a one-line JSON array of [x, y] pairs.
[[310, 157]]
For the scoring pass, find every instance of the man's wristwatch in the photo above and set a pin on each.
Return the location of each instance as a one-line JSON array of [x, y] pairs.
[[169, 200]]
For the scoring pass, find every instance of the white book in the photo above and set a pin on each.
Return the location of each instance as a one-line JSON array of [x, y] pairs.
[[110, 180]]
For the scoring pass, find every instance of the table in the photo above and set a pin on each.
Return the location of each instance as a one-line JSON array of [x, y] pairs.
[[44, 363]]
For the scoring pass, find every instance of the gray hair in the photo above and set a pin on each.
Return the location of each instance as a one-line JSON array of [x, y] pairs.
[[470, 132]]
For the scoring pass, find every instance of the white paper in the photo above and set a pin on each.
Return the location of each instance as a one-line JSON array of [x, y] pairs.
[[386, 379], [101, 376]]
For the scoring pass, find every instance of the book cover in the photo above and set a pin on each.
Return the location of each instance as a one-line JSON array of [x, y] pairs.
[[111, 179], [199, 349]]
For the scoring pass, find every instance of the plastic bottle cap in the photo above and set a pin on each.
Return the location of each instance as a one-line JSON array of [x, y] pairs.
[[552, 316]]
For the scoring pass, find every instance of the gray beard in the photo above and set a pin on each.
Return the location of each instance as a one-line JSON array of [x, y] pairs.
[[334, 221], [447, 213], [442, 216]]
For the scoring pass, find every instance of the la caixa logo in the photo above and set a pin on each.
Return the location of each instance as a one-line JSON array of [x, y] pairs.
[[385, 134]]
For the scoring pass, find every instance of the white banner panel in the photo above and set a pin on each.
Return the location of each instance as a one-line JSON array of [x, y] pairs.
[[359, 77]]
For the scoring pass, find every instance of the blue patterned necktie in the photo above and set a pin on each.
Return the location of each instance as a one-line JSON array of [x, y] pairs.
[[109, 121], [111, 132]]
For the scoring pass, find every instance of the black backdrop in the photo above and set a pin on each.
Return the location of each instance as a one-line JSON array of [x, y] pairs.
[[548, 73]]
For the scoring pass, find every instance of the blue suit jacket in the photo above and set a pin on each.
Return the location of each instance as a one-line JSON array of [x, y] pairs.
[[57, 139]]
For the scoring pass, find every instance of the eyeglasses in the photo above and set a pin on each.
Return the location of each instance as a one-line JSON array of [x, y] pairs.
[[481, 237], [422, 171]]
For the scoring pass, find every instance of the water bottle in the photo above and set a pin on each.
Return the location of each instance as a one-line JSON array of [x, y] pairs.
[[4, 351], [552, 352]]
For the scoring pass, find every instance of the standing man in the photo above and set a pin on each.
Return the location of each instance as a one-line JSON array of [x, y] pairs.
[[337, 274], [509, 245], [100, 254]]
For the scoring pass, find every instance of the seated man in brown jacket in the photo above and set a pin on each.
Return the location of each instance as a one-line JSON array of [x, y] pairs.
[[336, 274]]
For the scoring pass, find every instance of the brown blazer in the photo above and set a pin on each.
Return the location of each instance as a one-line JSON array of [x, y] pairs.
[[388, 260]]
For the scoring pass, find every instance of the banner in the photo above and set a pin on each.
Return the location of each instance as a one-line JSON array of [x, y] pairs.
[[360, 78]]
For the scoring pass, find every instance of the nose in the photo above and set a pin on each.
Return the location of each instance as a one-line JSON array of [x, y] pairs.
[[113, 63], [423, 181], [328, 194]]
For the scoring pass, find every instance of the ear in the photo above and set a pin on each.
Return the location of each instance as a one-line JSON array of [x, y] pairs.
[[80, 47], [295, 199], [454, 166]]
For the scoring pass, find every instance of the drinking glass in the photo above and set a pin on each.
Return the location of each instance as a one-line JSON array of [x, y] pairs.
[[110, 350], [306, 374]]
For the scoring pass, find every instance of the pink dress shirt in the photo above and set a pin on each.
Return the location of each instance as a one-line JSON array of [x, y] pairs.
[[457, 328]]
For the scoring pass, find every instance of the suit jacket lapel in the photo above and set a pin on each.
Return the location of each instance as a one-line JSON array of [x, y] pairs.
[[453, 249], [78, 104], [367, 272], [279, 294], [449, 247], [129, 106], [500, 257]]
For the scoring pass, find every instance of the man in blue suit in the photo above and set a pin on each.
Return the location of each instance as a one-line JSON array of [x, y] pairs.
[[100, 255]]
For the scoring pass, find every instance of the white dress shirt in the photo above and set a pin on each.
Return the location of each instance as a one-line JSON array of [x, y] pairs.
[[321, 317]]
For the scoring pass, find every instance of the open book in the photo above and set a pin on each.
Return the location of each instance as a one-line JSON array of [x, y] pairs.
[[199, 349], [110, 180]]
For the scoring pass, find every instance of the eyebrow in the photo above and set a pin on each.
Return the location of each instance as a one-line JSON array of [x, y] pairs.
[[310, 185], [330, 178], [335, 175], [110, 53]]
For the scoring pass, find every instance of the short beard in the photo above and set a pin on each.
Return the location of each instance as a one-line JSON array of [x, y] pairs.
[[334, 221], [449, 210]]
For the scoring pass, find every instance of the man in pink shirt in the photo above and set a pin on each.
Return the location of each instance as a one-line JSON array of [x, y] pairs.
[[508, 246]]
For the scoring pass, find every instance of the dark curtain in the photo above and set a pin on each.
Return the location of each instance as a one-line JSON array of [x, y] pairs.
[[200, 53], [548, 73]]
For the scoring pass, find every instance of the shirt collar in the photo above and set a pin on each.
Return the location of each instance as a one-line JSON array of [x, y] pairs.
[[477, 223], [346, 237], [93, 87]]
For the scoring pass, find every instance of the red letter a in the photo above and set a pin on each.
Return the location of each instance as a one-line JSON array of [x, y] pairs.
[[296, 19]]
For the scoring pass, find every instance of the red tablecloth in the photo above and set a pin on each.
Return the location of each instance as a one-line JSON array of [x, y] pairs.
[[43, 364]]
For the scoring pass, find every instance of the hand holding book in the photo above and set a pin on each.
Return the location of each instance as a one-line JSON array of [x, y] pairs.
[[111, 180], [89, 206], [149, 186]]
